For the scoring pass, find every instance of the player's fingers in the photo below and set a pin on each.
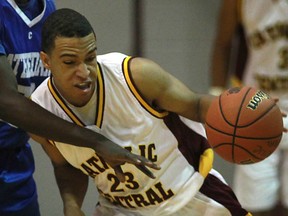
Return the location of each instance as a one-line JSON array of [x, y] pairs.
[[139, 160], [119, 173], [146, 171], [141, 163], [144, 162], [276, 100]]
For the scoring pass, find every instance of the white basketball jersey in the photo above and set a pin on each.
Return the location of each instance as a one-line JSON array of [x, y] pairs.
[[123, 116], [266, 26]]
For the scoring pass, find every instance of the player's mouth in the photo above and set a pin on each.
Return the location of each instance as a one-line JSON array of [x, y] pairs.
[[84, 86]]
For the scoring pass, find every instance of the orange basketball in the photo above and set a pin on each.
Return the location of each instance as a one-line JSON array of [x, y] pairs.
[[244, 125]]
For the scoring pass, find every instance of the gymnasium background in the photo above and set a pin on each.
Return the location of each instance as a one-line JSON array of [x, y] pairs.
[[176, 34]]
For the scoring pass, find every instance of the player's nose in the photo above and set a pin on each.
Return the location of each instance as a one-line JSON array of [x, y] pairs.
[[83, 71]]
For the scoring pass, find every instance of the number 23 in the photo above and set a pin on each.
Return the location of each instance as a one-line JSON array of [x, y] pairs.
[[129, 183]]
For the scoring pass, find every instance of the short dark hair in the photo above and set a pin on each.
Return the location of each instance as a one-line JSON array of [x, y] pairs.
[[64, 22]]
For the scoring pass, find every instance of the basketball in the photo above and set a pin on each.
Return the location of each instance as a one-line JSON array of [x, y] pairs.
[[244, 125]]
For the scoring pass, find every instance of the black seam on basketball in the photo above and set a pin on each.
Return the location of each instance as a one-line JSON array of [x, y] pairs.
[[259, 117], [243, 137], [239, 146], [236, 124], [237, 119], [222, 113], [224, 118]]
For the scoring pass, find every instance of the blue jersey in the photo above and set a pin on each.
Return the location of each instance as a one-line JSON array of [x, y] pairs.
[[20, 41]]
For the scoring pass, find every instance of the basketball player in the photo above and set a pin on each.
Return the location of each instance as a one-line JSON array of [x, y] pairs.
[[20, 27], [262, 185], [137, 104]]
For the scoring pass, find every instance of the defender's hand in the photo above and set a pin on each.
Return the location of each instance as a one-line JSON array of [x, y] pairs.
[[116, 156], [122, 156]]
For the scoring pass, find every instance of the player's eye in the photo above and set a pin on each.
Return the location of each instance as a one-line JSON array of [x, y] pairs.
[[68, 62], [91, 58]]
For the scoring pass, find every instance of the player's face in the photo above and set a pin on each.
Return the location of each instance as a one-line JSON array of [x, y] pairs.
[[73, 64]]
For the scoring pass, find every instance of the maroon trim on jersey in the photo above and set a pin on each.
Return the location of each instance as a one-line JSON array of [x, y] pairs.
[[100, 103], [192, 146], [223, 194]]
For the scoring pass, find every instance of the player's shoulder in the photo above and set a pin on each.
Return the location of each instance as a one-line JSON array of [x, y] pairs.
[[41, 91], [111, 58], [50, 5], [3, 6]]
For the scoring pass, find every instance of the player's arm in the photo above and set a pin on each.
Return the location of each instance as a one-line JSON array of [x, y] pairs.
[[162, 90], [72, 183], [227, 23], [20, 111]]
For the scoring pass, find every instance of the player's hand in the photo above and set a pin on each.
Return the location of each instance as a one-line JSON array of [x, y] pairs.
[[116, 156]]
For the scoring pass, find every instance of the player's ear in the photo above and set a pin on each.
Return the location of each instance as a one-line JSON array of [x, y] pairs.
[[45, 60]]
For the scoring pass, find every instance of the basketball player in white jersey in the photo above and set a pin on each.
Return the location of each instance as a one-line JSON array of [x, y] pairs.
[[259, 186], [139, 106], [21, 71]]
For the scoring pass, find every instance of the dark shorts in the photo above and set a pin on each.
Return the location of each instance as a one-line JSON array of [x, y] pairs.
[[30, 210]]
